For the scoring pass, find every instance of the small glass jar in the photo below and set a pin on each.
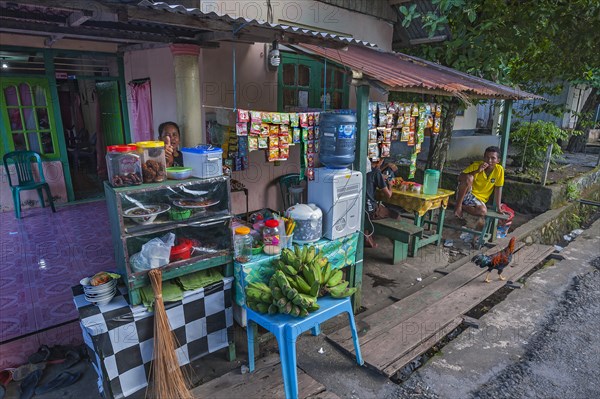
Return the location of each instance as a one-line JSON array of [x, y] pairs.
[[123, 165], [271, 237], [154, 164], [242, 244]]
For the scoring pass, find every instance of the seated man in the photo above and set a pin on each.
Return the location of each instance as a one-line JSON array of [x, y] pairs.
[[374, 181], [476, 184]]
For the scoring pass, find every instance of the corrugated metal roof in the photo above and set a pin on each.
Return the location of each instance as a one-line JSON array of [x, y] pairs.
[[241, 25], [401, 72]]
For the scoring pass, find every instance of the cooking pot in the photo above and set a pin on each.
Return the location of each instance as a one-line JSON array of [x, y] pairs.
[[309, 222]]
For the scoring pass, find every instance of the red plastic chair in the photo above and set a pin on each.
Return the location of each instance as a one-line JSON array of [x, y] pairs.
[[26, 179]]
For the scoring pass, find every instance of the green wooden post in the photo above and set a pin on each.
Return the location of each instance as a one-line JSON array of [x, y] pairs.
[[123, 95], [360, 164], [505, 129], [62, 145]]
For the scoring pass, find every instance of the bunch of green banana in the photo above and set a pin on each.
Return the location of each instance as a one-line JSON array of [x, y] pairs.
[[288, 299], [333, 283], [259, 297]]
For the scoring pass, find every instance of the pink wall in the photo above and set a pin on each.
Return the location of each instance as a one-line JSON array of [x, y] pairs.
[[53, 172]]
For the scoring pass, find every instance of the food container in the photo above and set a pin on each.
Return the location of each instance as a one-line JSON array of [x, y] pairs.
[[309, 222], [179, 214], [205, 160], [181, 250], [242, 244], [123, 165], [153, 161], [271, 237], [178, 172]]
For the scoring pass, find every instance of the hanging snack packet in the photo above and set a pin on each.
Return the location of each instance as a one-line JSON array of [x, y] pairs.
[[252, 143], [390, 120], [297, 134], [255, 116], [380, 131], [436, 126], [373, 150], [276, 117], [385, 150], [265, 117], [382, 115], [429, 122], [407, 118], [428, 109], [305, 134], [284, 153], [317, 146], [273, 142], [273, 154], [273, 130], [264, 129], [404, 136], [284, 141], [317, 117], [311, 119], [413, 123], [418, 148], [310, 174], [400, 121], [411, 139], [415, 110], [303, 119], [243, 116], [263, 142], [285, 118], [310, 147], [241, 129], [422, 110], [294, 120], [255, 128], [284, 130], [438, 110], [311, 133], [387, 135], [310, 160], [395, 134], [372, 135]]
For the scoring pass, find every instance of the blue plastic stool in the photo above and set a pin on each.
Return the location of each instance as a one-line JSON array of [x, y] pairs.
[[286, 330]]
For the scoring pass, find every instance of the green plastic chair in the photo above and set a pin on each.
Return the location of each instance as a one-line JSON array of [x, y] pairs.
[[285, 182], [26, 180]]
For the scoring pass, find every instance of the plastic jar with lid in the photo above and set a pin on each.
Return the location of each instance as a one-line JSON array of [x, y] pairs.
[[124, 166], [154, 164], [242, 244], [271, 237]]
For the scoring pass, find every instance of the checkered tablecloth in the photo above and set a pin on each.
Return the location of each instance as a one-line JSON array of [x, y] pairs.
[[121, 337]]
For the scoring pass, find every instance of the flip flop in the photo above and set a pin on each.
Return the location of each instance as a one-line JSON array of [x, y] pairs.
[[63, 380], [42, 354], [21, 372], [28, 385]]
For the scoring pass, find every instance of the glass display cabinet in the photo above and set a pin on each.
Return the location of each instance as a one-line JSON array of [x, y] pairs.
[[196, 211]]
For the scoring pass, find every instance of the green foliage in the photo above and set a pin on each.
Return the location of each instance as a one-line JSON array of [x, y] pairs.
[[532, 140], [572, 192]]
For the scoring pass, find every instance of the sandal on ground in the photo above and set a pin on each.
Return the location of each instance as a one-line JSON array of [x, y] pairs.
[[63, 380], [21, 372], [28, 385]]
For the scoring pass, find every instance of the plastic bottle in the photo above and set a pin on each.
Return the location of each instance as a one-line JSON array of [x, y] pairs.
[[123, 165], [271, 237], [242, 244], [431, 182], [338, 140]]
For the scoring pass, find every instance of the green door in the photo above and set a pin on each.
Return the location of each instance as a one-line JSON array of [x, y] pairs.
[[111, 120]]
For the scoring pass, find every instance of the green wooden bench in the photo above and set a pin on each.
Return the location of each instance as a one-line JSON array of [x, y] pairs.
[[400, 232]]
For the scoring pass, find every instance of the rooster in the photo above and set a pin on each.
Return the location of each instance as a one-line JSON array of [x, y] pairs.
[[497, 261]]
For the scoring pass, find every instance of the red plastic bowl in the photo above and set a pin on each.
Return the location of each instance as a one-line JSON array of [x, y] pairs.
[[182, 250]]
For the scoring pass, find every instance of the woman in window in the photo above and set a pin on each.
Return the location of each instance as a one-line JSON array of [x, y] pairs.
[[169, 133]]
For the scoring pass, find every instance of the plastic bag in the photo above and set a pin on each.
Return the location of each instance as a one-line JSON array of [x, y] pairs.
[[155, 253], [511, 214]]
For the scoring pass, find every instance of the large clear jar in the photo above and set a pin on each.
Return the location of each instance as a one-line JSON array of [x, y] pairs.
[[124, 166], [271, 237], [242, 244], [154, 164]]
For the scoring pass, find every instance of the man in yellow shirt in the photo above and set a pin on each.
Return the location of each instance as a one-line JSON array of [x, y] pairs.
[[476, 184]]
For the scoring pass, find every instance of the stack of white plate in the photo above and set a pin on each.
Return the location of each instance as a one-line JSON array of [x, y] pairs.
[[99, 294]]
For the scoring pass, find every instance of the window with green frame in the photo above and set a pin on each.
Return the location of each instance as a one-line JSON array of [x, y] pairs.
[[301, 81], [28, 118]]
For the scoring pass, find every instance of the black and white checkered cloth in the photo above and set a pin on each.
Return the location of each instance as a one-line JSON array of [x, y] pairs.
[[121, 338]]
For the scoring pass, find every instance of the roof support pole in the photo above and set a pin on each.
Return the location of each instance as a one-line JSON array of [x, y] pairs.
[[187, 88], [505, 129], [360, 164]]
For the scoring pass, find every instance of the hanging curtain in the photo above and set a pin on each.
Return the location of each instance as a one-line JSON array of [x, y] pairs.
[[141, 110]]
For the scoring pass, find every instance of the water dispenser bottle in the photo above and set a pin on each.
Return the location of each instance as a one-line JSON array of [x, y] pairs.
[[431, 181], [338, 140]]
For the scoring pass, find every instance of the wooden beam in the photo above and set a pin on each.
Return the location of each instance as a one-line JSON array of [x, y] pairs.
[[505, 130], [78, 17], [395, 2], [433, 39]]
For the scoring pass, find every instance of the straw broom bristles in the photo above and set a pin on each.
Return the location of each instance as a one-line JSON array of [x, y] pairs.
[[167, 379]]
